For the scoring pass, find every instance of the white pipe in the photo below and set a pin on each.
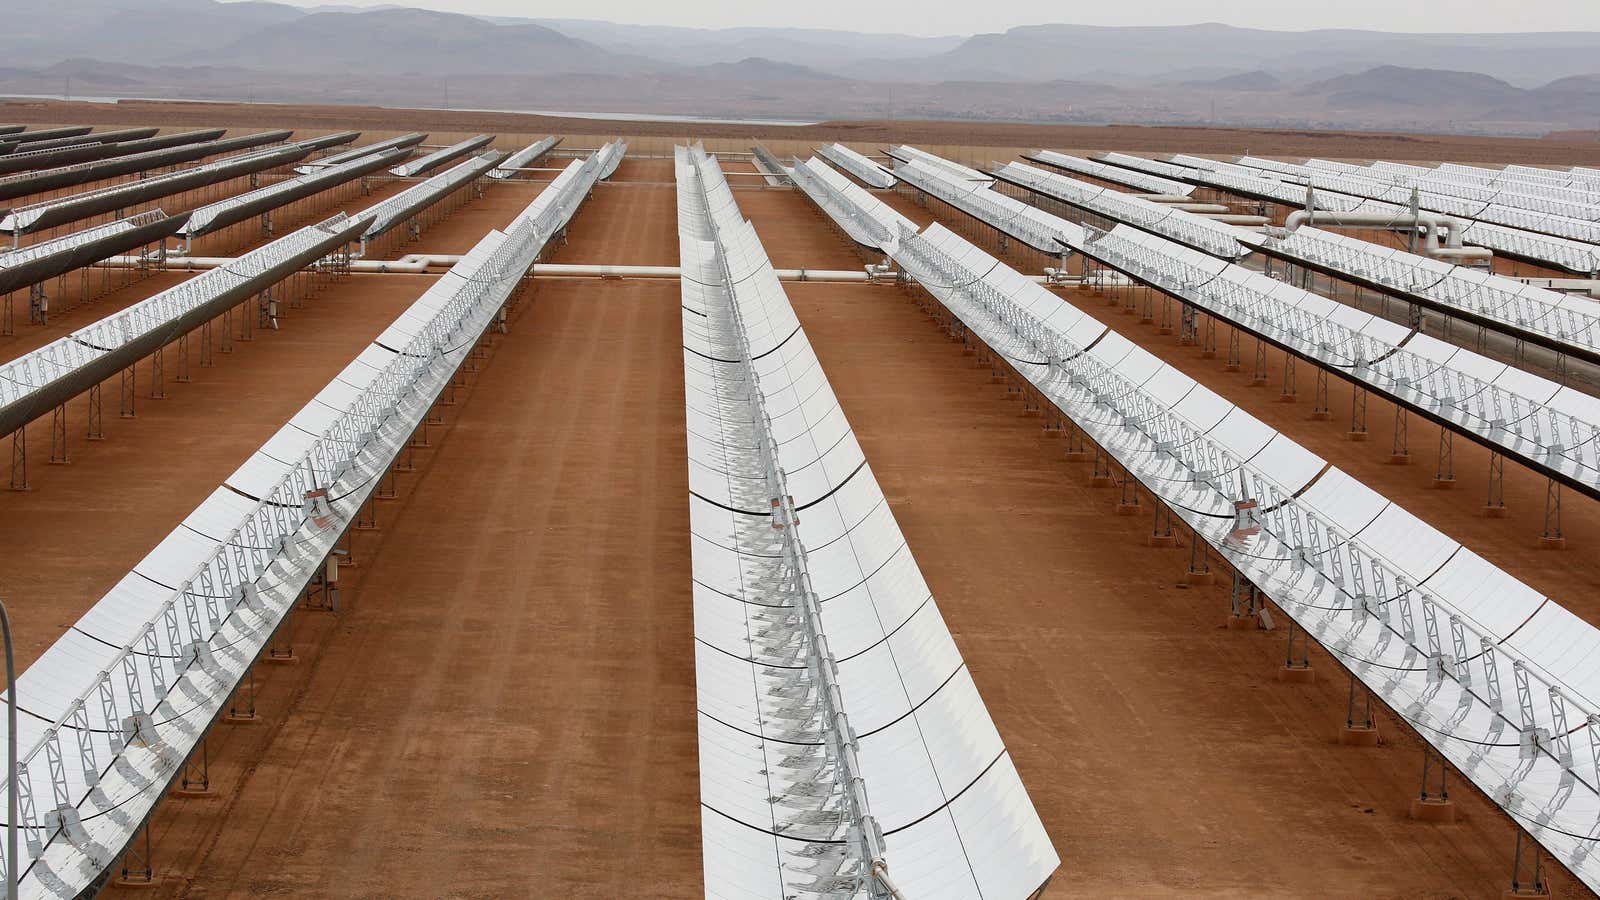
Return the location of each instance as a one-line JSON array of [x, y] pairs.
[[1462, 253], [1434, 222], [420, 263], [1199, 208], [1239, 219], [1165, 199]]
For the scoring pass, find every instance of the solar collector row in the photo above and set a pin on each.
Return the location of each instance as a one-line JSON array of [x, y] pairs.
[[1565, 323], [1552, 429], [37, 263], [216, 216], [1205, 235], [39, 381], [154, 662], [405, 140], [439, 157], [1430, 627], [14, 186], [99, 137], [827, 683], [1532, 247], [49, 159], [50, 213], [866, 170]]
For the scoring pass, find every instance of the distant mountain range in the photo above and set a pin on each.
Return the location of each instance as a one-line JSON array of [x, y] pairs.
[[202, 49]]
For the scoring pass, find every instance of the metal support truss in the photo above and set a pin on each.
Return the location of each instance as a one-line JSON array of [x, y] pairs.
[[247, 693], [1552, 511], [96, 429], [158, 374], [1446, 471], [130, 386], [1353, 719], [137, 863], [1321, 410], [58, 436], [1358, 410], [1497, 482], [183, 359], [196, 777], [1291, 659], [19, 459], [1429, 768], [1527, 879], [1402, 444], [1290, 390], [1199, 557], [1161, 529]]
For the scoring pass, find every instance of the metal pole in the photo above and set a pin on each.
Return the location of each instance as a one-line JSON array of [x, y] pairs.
[[11, 757]]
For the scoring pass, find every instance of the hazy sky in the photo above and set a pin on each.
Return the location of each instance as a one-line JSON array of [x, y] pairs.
[[930, 17]]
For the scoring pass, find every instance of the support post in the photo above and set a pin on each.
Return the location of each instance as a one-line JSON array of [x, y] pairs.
[[1553, 538], [19, 459], [1297, 665], [130, 386], [58, 436], [1359, 728], [96, 430], [1358, 414], [1433, 805], [1495, 505], [1320, 412], [1400, 451], [1444, 476]]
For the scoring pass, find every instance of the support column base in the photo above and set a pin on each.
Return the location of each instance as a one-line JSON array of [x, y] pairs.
[[1358, 436], [1444, 484], [192, 793], [1100, 481], [282, 659], [1399, 459], [1197, 578], [1031, 411], [136, 883], [1287, 398], [1524, 893], [1320, 416], [1052, 432], [241, 718], [1164, 329], [969, 351], [1552, 543], [1183, 341], [1297, 674], [1077, 456], [1162, 540], [1433, 810], [1495, 512], [1241, 623], [1129, 509], [1358, 736], [1208, 354], [1233, 367], [1258, 382]]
